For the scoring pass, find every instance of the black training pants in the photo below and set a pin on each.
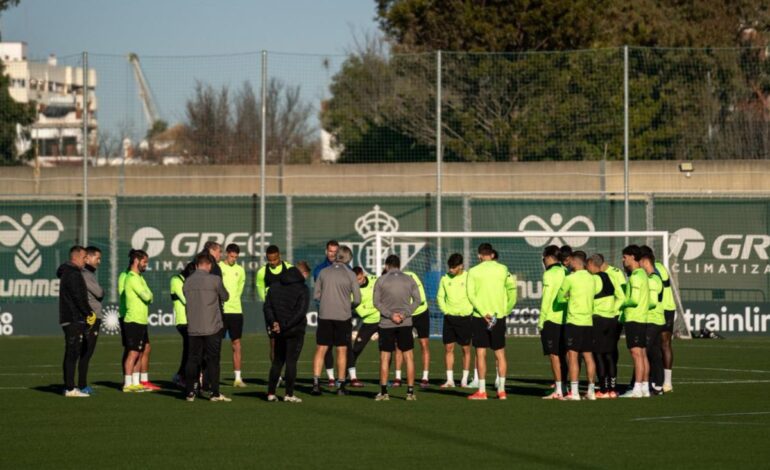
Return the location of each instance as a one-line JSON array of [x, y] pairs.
[[182, 329], [362, 339], [86, 352], [655, 353], [208, 349], [73, 343], [287, 351]]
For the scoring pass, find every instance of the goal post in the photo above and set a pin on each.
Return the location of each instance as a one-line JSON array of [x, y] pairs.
[[425, 253]]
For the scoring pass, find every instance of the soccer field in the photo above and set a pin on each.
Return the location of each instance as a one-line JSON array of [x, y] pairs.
[[717, 417]]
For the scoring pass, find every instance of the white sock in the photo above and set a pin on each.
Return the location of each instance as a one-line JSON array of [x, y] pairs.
[[574, 388], [638, 387], [466, 373], [330, 374], [482, 386], [135, 378], [501, 384], [475, 375], [352, 373], [425, 375], [667, 377], [398, 375], [144, 377], [591, 388], [645, 387], [450, 376], [497, 379], [238, 375], [127, 381], [557, 389]]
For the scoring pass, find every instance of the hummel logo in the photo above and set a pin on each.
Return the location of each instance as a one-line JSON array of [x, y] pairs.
[[28, 238]]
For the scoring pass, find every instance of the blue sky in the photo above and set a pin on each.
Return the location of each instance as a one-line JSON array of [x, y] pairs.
[[181, 41]]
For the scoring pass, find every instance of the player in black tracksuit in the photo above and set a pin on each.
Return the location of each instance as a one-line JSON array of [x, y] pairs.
[[286, 307], [74, 311]]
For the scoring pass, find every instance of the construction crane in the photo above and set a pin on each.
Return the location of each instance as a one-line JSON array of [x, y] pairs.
[[145, 95]]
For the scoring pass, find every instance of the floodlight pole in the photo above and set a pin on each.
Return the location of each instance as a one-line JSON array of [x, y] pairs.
[[85, 150], [439, 156], [262, 160]]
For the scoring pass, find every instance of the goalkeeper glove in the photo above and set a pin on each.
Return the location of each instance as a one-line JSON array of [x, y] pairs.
[[91, 319]]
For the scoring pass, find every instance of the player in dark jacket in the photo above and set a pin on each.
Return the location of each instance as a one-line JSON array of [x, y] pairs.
[[286, 307], [75, 315]]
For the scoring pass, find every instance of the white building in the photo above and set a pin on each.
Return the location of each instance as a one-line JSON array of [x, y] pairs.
[[57, 134]]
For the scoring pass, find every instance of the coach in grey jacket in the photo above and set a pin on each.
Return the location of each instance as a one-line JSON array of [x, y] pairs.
[[338, 293], [204, 293], [396, 296], [95, 297]]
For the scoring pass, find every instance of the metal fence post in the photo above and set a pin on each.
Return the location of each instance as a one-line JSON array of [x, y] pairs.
[[467, 227], [290, 229], [439, 158], [263, 158], [625, 142], [85, 150]]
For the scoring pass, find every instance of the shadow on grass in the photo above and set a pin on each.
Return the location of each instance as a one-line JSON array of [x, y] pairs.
[[56, 389]]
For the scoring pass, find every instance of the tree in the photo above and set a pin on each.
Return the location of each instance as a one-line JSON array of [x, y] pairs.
[[222, 129], [501, 101], [12, 116]]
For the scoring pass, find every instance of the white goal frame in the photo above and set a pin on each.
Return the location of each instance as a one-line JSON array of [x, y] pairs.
[[380, 254]]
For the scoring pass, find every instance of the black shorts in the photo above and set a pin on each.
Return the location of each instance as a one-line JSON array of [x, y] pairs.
[[233, 325], [652, 338], [421, 324], [334, 332], [485, 338], [636, 334], [669, 326], [605, 334], [578, 338], [457, 330], [136, 336], [400, 336], [552, 338]]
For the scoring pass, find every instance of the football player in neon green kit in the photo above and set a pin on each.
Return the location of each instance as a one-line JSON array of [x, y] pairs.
[[234, 280], [452, 299], [492, 292], [552, 313], [607, 303], [656, 321], [370, 321], [634, 319], [578, 290], [136, 296]]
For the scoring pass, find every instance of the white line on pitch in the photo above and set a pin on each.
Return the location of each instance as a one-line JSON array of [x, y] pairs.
[[716, 415]]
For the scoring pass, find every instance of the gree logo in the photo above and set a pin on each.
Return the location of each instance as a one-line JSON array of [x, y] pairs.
[[28, 237], [150, 240], [536, 223], [690, 240]]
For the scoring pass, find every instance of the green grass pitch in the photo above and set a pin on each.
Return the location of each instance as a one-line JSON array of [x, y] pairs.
[[717, 417]]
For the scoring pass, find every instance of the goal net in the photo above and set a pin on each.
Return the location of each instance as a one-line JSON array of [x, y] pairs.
[[425, 253]]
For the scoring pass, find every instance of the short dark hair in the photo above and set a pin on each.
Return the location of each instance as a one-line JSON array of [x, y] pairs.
[[455, 259], [202, 258], [597, 259], [272, 250], [633, 250], [332, 243], [211, 244], [358, 270], [92, 250], [486, 249], [552, 251], [495, 254], [581, 255], [646, 252], [134, 255], [76, 249], [303, 267], [565, 252], [233, 248], [188, 270], [344, 255], [393, 261]]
